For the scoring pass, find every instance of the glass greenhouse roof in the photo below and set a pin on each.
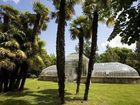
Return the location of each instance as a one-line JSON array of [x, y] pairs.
[[75, 56], [101, 69], [113, 69], [49, 71]]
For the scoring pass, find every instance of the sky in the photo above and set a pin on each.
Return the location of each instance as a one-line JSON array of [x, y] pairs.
[[49, 36]]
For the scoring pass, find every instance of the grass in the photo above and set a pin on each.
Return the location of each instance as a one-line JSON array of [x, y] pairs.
[[45, 93]]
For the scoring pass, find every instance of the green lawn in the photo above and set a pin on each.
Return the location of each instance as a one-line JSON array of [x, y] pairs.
[[45, 93]]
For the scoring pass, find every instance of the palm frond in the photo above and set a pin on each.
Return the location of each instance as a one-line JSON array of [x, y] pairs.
[[7, 64], [80, 27], [110, 21], [11, 44], [20, 55], [40, 8]]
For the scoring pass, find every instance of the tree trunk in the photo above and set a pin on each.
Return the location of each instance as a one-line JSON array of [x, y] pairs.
[[36, 26], [1, 86], [12, 79], [1, 80], [23, 81], [6, 80], [79, 71], [6, 23], [24, 69], [11, 83], [93, 53], [60, 51], [18, 79]]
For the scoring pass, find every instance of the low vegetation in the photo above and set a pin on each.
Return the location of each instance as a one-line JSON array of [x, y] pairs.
[[45, 93]]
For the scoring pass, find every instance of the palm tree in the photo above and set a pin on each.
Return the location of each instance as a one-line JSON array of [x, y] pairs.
[[10, 54], [41, 18], [60, 51], [9, 16], [93, 9], [64, 11], [79, 29], [18, 40], [100, 10]]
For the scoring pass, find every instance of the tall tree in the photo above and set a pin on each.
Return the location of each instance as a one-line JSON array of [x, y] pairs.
[[79, 29], [96, 10], [60, 50], [105, 10], [93, 52], [64, 11], [17, 41]]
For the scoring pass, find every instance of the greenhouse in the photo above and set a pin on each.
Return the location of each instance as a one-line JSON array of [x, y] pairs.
[[70, 68], [114, 69], [112, 72]]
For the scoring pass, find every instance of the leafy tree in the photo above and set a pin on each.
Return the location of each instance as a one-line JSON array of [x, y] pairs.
[[52, 59], [134, 59], [127, 25], [115, 55]]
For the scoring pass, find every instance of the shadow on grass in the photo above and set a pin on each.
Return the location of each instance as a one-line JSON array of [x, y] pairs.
[[47, 97], [76, 98], [18, 93], [14, 102], [42, 97]]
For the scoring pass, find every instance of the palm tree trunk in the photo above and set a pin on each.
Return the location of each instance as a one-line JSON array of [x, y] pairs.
[[79, 72], [12, 80], [24, 69], [6, 23], [93, 53], [60, 51], [6, 80], [1, 80], [13, 77], [18, 79], [36, 26], [23, 81], [0, 85]]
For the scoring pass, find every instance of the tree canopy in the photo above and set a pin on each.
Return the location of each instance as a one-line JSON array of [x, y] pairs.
[[127, 25]]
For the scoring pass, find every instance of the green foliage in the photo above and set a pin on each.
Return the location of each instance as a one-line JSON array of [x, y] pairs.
[[127, 25], [40, 8], [115, 55], [20, 47], [53, 59], [134, 58], [69, 8], [80, 27]]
